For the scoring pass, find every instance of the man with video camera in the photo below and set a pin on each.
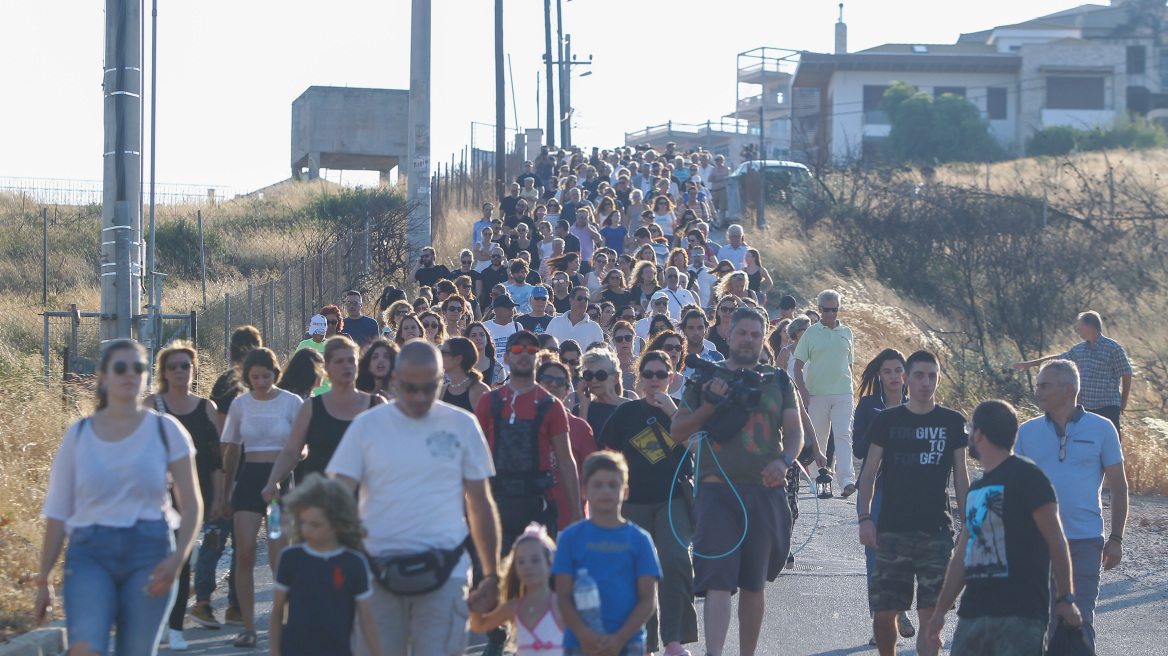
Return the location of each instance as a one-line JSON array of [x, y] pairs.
[[747, 423]]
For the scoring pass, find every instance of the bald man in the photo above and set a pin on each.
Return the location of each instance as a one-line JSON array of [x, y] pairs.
[[434, 455]]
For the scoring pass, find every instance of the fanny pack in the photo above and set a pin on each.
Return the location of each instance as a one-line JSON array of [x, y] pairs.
[[416, 574]]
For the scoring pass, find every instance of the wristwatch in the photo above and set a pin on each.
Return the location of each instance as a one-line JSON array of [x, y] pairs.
[[1069, 598]]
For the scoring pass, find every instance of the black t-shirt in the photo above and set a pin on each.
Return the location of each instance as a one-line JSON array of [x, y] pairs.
[[719, 342], [323, 590], [562, 305], [571, 243], [472, 274], [638, 295], [523, 176], [1007, 561], [491, 277], [618, 299], [363, 329], [226, 388], [536, 325], [507, 205], [630, 430], [918, 456], [428, 276]]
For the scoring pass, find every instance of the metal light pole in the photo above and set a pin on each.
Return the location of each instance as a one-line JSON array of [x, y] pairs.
[[121, 267], [418, 146], [564, 140], [550, 137], [500, 105]]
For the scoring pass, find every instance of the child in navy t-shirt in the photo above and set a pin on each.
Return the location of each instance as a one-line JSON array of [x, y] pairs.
[[323, 578], [618, 555]]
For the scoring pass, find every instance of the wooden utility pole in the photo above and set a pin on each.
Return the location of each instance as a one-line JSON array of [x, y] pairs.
[[500, 106]]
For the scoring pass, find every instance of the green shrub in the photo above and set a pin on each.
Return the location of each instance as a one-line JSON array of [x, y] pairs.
[[1053, 141], [1127, 132], [177, 244]]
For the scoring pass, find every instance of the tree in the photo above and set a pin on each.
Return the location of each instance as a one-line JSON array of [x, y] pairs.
[[927, 130]]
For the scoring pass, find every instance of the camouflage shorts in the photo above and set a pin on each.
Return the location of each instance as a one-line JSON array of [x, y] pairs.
[[999, 636], [900, 558]]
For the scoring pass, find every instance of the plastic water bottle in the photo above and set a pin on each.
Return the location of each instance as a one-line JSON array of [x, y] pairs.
[[587, 597], [274, 529]]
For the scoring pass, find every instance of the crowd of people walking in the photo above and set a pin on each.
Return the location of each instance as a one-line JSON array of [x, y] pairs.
[[563, 440]]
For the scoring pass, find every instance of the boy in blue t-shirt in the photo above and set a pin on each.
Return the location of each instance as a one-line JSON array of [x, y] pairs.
[[618, 555]]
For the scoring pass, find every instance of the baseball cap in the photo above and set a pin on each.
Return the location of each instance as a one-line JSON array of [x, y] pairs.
[[525, 335], [658, 296], [787, 303], [503, 300], [539, 292], [317, 325]]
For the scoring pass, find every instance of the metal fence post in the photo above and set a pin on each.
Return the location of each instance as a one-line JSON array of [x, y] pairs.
[[250, 303], [288, 307], [227, 328], [193, 333], [74, 324], [45, 257], [272, 309], [46, 350]]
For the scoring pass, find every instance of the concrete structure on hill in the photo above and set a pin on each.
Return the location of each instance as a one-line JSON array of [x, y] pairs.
[[349, 128], [1082, 67]]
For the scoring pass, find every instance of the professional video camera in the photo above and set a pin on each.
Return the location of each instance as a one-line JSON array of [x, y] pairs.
[[743, 397]]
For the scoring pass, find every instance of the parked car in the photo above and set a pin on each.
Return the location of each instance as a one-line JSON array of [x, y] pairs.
[[790, 183]]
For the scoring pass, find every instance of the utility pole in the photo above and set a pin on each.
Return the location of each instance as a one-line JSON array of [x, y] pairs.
[[121, 214], [418, 138], [564, 141], [762, 158], [500, 105], [550, 137], [567, 103]]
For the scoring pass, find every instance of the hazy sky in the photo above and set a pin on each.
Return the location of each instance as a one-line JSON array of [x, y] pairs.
[[229, 71]]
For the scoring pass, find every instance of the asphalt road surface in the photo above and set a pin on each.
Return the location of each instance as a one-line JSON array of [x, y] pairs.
[[820, 608]]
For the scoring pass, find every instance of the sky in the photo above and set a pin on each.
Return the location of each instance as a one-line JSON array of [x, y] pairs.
[[228, 71]]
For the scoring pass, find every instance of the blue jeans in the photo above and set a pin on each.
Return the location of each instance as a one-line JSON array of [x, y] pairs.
[[207, 560], [869, 552], [106, 572]]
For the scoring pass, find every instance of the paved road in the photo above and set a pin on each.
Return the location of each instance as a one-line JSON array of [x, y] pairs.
[[819, 608]]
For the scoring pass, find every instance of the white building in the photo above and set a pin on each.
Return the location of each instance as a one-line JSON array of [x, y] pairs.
[[1081, 67]]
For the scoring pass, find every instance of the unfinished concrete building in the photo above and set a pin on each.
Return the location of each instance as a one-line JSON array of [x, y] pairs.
[[342, 128]]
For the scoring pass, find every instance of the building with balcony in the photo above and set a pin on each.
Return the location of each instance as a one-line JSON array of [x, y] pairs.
[[1082, 67]]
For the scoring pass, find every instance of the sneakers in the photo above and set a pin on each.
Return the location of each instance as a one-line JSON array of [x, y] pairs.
[[848, 490], [675, 649], [202, 615], [177, 642], [790, 562], [233, 616]]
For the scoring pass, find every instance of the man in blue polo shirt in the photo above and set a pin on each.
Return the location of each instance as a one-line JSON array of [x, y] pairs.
[[1076, 449]]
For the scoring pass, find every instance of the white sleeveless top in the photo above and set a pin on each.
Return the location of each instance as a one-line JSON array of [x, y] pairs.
[[546, 638]]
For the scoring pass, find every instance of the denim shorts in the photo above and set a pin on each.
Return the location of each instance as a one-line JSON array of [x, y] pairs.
[[106, 572]]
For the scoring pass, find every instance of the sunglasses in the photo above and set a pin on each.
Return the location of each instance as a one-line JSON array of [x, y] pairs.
[[530, 349], [454, 308], [671, 277], [557, 381], [598, 376], [430, 325], [175, 366], [671, 348], [727, 309], [570, 363], [659, 374], [410, 388], [400, 313], [827, 310], [332, 323], [661, 301], [121, 367], [581, 299], [468, 262], [496, 257], [620, 339]]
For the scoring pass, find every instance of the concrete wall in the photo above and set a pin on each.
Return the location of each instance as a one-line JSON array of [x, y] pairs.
[[1037, 63], [349, 128]]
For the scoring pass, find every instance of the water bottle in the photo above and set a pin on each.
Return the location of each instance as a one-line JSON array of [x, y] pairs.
[[587, 597], [274, 529]]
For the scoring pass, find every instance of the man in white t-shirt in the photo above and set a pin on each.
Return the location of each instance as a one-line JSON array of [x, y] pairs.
[[420, 468], [575, 324], [702, 277], [735, 251], [504, 324], [678, 296]]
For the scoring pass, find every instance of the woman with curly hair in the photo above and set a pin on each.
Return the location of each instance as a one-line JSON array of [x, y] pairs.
[[487, 364], [323, 577], [734, 283], [375, 367], [392, 316], [643, 284]]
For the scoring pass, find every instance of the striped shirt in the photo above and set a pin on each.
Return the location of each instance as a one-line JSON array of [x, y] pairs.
[[1100, 368]]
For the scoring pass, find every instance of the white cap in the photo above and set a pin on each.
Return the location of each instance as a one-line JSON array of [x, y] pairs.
[[317, 325]]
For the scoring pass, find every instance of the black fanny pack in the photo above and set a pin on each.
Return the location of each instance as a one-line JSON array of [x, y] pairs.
[[416, 574]]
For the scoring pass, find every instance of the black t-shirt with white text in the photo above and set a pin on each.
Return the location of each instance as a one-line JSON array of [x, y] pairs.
[[641, 433], [1007, 561], [918, 456]]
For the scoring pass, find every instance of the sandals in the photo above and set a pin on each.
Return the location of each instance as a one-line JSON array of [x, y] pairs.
[[906, 628], [245, 640]]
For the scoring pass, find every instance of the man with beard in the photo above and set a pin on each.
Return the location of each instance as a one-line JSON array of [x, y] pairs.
[[1011, 537], [527, 431], [751, 465]]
